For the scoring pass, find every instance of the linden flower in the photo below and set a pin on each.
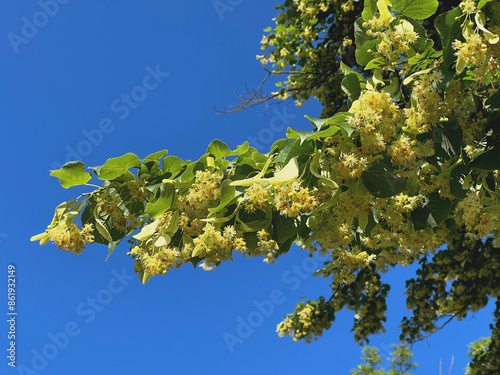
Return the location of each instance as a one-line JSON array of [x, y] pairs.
[[347, 6], [255, 198], [284, 52], [262, 59], [403, 153], [404, 203], [229, 232], [375, 112], [468, 6], [206, 188], [211, 245], [70, 238], [292, 199], [477, 222]]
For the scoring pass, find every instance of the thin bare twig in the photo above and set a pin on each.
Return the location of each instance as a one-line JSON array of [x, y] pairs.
[[255, 97]]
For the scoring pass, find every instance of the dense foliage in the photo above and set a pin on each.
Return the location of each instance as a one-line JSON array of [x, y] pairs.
[[409, 172], [401, 362], [310, 41]]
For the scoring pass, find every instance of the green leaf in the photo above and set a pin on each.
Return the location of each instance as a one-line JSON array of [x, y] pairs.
[[240, 150], [347, 70], [163, 203], [192, 168], [101, 228], [112, 246], [457, 179], [173, 164], [72, 174], [376, 62], [228, 193], [320, 123], [363, 220], [418, 9], [493, 101], [482, 3], [292, 148], [369, 10], [433, 212], [307, 136], [364, 52], [116, 167], [380, 180], [218, 149], [351, 86], [155, 156], [314, 168], [448, 27], [372, 222], [284, 227], [488, 160], [285, 150], [364, 43], [447, 141]]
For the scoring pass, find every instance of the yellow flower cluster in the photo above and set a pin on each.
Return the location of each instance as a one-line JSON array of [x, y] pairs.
[[112, 205], [394, 42], [479, 221], [404, 203], [476, 51], [266, 246], [350, 166], [375, 112], [293, 200], [256, 197], [468, 7], [404, 153], [71, 239], [202, 193], [137, 190], [427, 105], [350, 262], [333, 229], [306, 323], [213, 246], [158, 263]]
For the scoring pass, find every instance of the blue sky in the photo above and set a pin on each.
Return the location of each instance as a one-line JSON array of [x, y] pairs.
[[97, 79]]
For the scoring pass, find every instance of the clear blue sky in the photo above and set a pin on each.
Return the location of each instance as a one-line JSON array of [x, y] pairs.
[[94, 80]]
